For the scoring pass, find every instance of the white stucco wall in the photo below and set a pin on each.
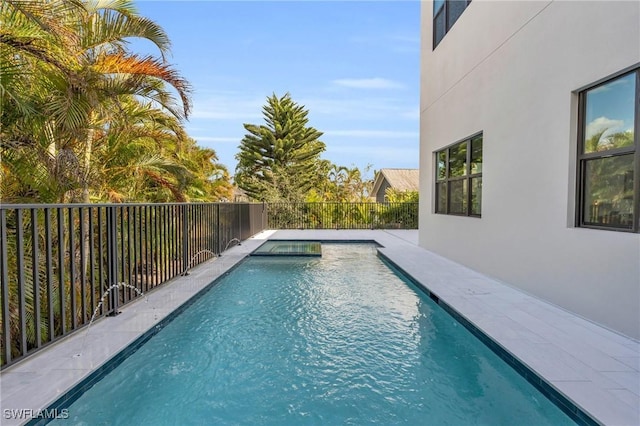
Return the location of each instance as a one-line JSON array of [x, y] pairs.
[[510, 70]]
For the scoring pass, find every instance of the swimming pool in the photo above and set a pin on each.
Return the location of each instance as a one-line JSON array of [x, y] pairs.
[[339, 339]]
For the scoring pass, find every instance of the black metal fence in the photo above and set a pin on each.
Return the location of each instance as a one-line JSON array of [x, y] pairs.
[[58, 260], [343, 215]]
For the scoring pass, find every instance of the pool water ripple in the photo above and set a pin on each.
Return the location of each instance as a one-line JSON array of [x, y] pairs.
[[334, 340]]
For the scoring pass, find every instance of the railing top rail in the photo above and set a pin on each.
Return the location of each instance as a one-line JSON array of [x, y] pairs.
[[7, 206], [347, 202]]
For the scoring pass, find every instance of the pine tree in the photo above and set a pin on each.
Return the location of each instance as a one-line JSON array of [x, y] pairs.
[[278, 160]]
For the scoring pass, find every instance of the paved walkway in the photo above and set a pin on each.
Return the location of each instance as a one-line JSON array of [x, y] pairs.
[[596, 369]]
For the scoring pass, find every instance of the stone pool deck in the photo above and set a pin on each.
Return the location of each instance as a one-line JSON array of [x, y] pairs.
[[596, 369]]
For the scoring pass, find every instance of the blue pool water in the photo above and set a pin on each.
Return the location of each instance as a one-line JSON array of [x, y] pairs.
[[333, 340]]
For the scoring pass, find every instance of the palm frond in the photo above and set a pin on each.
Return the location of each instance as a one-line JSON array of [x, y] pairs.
[[113, 26], [146, 67]]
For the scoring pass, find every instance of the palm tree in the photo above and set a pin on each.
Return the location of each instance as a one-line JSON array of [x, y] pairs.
[[146, 155], [32, 54], [72, 101], [113, 74], [79, 112]]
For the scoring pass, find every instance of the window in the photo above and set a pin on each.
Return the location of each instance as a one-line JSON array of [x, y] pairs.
[[459, 178], [445, 14], [608, 154]]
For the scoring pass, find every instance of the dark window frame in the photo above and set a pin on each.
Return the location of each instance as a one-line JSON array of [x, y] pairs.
[[468, 176], [583, 158], [445, 10]]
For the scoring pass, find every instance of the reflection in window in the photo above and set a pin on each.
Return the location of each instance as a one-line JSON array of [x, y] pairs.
[[459, 178], [445, 14], [608, 155], [476, 155], [458, 160], [609, 115], [476, 196], [441, 197], [458, 197], [442, 165], [608, 191]]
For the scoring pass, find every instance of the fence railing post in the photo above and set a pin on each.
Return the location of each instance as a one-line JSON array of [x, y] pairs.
[[20, 262], [185, 239], [4, 272], [112, 260], [239, 214], [218, 237]]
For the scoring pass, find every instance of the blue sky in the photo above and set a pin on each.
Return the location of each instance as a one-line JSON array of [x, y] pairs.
[[354, 65], [611, 107]]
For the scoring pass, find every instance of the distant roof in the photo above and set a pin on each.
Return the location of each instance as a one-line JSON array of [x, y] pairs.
[[239, 195], [239, 191], [400, 179]]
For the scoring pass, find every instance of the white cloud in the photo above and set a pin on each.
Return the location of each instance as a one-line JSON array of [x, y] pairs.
[[373, 134], [400, 157], [413, 114], [365, 108], [395, 42], [244, 108], [403, 38], [368, 83], [603, 123]]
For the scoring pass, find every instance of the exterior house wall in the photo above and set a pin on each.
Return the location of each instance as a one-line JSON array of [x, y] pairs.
[[511, 69], [381, 194]]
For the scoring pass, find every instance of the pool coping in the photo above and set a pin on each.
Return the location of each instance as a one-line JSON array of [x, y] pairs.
[[593, 369], [552, 394]]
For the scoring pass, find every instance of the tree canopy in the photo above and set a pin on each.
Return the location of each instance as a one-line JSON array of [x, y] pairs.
[[83, 118], [279, 160]]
